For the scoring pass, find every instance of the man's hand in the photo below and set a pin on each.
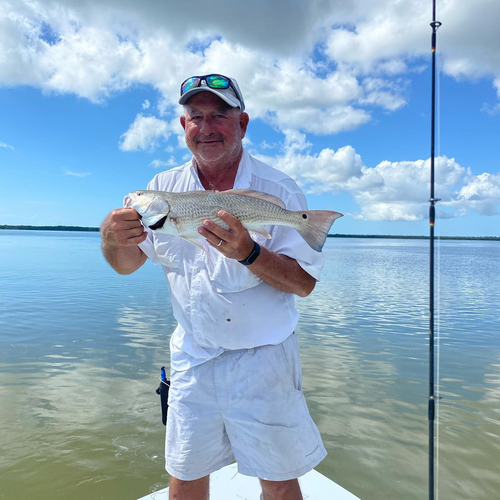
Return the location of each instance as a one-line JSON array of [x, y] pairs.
[[122, 227], [121, 232], [279, 271], [234, 243]]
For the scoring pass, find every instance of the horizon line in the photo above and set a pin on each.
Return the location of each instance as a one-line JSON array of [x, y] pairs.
[[337, 235]]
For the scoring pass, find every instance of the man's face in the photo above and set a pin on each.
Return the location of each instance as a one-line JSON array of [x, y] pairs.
[[213, 129]]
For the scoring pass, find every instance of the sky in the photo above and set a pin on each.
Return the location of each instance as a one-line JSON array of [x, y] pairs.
[[338, 94]]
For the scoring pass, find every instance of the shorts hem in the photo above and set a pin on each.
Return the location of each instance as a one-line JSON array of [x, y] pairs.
[[284, 476], [193, 476]]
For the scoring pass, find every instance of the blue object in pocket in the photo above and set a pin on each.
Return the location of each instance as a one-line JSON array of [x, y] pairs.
[[162, 391]]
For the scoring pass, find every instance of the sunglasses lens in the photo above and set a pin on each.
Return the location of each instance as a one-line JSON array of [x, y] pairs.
[[217, 82], [189, 84]]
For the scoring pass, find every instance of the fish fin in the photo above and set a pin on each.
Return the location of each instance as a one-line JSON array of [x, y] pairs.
[[256, 194], [262, 231], [317, 226]]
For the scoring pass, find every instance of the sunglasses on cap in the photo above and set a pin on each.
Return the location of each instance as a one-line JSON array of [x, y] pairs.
[[214, 81]]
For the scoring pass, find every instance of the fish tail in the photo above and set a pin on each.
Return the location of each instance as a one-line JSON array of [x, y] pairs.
[[316, 227]]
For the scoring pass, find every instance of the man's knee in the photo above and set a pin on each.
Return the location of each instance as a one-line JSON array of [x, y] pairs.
[[189, 490]]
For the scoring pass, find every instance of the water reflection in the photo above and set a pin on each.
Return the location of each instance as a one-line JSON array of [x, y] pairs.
[[145, 329], [366, 379], [80, 351], [88, 418]]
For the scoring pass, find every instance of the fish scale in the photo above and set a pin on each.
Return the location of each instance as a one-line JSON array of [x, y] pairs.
[[248, 211]]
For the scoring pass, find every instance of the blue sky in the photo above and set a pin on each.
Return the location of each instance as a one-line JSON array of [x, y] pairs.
[[338, 95]]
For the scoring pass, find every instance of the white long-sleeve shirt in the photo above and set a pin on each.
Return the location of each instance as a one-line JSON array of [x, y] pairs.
[[219, 303]]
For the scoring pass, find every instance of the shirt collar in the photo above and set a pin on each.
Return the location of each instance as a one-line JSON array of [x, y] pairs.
[[195, 183], [244, 174]]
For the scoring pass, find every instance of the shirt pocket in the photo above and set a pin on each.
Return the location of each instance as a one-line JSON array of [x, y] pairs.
[[171, 252], [228, 275]]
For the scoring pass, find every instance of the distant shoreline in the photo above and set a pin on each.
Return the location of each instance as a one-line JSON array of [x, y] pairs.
[[374, 236], [50, 228]]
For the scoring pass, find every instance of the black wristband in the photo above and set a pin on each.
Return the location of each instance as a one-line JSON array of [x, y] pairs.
[[253, 255]]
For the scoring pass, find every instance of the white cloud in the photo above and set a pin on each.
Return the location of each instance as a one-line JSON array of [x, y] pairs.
[[4, 145], [400, 190], [491, 110], [247, 142], [384, 93], [94, 56], [380, 36], [496, 84], [144, 133], [328, 171], [77, 174], [265, 145], [96, 48], [171, 162], [90, 57], [482, 193], [390, 190], [321, 121], [388, 36], [89, 62]]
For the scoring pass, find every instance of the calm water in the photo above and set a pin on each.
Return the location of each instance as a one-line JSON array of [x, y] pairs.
[[81, 348]]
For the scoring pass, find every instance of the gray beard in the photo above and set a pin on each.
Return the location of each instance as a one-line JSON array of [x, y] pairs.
[[229, 155]]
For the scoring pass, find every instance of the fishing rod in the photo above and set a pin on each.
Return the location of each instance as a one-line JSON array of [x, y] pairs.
[[432, 216]]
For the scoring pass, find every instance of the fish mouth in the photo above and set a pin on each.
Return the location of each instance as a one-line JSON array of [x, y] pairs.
[[159, 224]]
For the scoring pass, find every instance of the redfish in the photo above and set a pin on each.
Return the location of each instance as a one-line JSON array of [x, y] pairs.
[[181, 214]]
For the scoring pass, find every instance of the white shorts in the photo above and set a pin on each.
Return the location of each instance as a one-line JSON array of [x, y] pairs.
[[244, 405]]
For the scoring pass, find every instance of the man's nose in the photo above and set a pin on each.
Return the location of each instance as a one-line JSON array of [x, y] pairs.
[[206, 125]]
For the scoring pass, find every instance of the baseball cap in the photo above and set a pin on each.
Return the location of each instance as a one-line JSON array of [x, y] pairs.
[[226, 88]]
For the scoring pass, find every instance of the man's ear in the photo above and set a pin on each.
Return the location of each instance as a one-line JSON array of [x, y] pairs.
[[244, 119], [183, 122]]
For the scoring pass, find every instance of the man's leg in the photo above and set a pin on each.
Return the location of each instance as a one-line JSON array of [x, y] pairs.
[[190, 490], [272, 434], [281, 490], [196, 441]]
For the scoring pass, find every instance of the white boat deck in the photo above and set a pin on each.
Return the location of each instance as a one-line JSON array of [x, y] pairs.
[[229, 484]]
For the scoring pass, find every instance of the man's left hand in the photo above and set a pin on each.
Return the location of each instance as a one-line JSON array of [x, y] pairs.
[[234, 243]]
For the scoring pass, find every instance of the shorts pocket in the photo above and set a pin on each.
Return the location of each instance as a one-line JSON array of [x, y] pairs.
[[291, 361]]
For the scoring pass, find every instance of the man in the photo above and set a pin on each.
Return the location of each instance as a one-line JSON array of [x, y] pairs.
[[235, 368]]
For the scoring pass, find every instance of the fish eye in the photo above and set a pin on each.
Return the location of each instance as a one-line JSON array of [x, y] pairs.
[[304, 216]]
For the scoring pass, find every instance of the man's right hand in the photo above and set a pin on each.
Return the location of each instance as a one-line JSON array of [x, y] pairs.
[[121, 232], [122, 227]]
